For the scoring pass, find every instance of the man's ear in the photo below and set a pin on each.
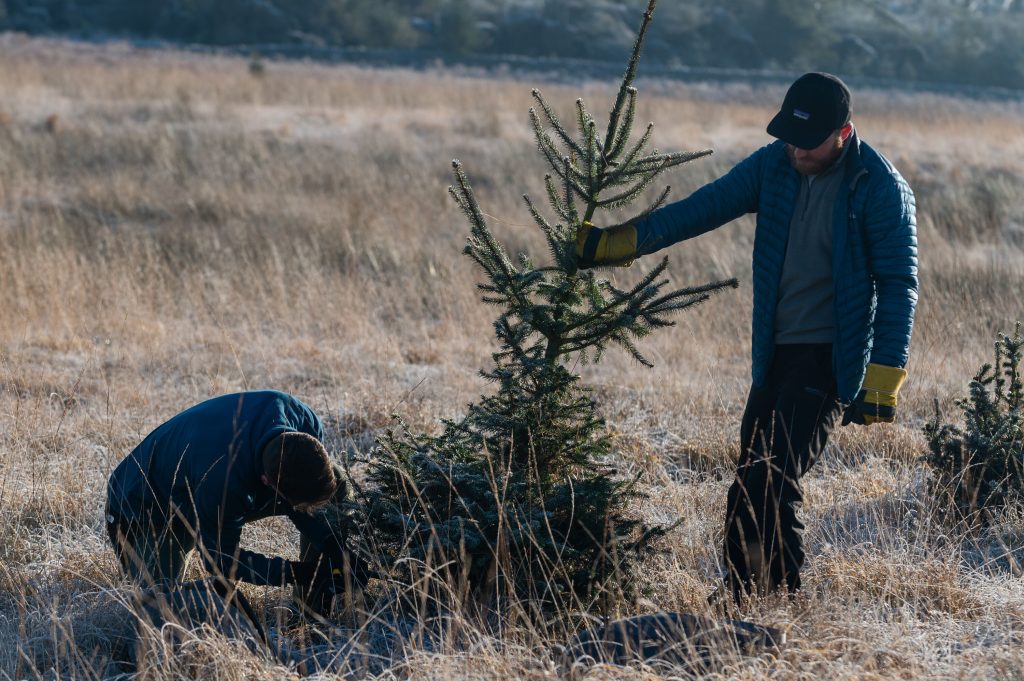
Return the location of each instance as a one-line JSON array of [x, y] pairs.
[[846, 131], [265, 480]]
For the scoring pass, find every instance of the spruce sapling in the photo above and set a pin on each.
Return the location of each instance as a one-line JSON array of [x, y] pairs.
[[979, 466], [519, 501]]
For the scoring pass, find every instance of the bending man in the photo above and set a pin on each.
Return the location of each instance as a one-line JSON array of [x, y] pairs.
[[202, 475]]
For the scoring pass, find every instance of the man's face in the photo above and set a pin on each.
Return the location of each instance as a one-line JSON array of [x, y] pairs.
[[818, 160], [311, 508]]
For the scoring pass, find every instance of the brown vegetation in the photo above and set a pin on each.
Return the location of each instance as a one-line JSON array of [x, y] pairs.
[[194, 230]]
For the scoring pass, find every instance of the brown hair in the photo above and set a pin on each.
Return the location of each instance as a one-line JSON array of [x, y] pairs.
[[298, 467]]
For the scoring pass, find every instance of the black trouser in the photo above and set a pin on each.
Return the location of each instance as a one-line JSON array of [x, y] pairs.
[[152, 550], [786, 424]]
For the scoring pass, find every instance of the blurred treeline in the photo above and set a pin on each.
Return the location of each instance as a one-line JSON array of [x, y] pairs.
[[977, 42]]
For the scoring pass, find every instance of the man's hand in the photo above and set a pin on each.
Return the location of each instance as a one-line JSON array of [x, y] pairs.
[[876, 402], [323, 579], [611, 246], [301, 573]]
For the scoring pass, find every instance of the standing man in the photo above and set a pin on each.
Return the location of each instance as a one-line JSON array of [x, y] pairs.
[[199, 477], [835, 289]]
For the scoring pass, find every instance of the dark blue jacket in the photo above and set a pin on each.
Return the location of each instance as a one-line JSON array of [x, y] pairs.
[[202, 468], [874, 253]]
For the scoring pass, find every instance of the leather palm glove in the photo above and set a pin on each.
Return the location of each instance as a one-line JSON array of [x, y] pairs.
[[611, 246], [876, 402]]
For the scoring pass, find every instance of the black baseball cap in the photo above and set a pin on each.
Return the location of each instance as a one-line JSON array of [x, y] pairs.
[[816, 105]]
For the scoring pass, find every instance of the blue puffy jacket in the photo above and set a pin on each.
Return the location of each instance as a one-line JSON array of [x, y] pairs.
[[874, 252]]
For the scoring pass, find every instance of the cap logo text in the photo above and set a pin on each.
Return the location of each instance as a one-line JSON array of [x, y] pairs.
[[802, 115]]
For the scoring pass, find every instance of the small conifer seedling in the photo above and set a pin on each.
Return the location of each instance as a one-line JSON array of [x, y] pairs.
[[979, 466], [518, 503]]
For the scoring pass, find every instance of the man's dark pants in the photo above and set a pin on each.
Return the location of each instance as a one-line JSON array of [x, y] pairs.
[[786, 424]]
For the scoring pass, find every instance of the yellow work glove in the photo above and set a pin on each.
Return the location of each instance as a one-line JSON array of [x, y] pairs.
[[612, 246], [876, 402]]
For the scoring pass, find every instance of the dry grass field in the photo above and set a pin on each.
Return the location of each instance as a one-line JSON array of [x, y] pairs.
[[174, 227]]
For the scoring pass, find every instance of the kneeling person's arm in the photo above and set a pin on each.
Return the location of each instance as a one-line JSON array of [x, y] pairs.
[[219, 547]]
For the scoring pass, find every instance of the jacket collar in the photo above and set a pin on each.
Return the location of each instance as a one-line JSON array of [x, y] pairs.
[[855, 166]]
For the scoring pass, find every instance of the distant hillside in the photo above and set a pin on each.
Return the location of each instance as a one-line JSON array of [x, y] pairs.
[[975, 42]]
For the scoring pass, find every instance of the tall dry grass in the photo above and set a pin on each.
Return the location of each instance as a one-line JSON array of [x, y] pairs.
[[175, 227]]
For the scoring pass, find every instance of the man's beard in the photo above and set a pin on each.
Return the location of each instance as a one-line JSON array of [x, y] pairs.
[[810, 166]]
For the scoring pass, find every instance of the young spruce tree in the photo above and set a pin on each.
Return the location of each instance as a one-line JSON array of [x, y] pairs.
[[518, 502], [978, 466]]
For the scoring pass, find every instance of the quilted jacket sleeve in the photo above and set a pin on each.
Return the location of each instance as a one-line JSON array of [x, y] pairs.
[[890, 228], [218, 546], [713, 205]]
